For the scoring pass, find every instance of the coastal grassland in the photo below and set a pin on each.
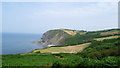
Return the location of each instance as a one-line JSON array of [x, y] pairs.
[[83, 37], [103, 38], [110, 32], [70, 32], [78, 62], [57, 60], [99, 53], [65, 49], [101, 49], [28, 60], [80, 47]]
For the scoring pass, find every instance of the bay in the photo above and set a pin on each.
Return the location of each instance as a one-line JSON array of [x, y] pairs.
[[13, 43]]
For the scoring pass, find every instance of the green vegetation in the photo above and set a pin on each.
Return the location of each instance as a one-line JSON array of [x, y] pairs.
[[110, 37], [28, 60], [57, 60], [79, 39], [101, 49], [78, 62], [87, 37], [103, 53], [99, 53]]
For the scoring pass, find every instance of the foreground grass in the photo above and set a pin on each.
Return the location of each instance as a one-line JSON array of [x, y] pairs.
[[28, 60], [53, 60], [101, 49]]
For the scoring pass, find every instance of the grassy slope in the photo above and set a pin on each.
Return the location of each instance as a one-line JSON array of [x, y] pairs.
[[110, 37], [66, 49], [82, 37], [100, 49], [28, 60], [99, 53], [75, 48], [56, 60], [78, 39]]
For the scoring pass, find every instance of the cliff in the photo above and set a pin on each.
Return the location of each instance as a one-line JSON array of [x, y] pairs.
[[61, 37], [55, 37]]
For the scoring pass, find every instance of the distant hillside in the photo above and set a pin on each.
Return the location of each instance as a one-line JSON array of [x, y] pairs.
[[60, 37], [73, 41]]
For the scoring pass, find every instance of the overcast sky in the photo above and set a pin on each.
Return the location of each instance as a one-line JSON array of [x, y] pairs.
[[38, 17]]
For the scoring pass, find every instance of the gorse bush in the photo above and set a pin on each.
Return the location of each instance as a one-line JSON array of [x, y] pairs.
[[111, 61], [55, 61], [78, 62], [101, 49]]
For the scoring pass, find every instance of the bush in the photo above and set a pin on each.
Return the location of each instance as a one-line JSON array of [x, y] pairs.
[[101, 49], [111, 61]]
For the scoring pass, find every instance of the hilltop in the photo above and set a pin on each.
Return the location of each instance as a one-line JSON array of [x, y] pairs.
[[60, 37], [73, 41]]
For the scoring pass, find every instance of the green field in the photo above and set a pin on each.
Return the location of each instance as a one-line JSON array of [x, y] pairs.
[[57, 60]]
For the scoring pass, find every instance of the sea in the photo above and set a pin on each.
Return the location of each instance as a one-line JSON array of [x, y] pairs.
[[14, 43]]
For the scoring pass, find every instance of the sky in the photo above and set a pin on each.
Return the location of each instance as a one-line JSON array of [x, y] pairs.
[[39, 17]]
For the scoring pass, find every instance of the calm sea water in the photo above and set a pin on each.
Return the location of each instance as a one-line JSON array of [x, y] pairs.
[[19, 43]]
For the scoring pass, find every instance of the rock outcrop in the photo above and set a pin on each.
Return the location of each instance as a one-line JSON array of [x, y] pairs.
[[55, 37]]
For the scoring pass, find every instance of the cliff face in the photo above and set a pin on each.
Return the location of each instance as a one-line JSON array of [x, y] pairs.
[[73, 37], [53, 37]]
